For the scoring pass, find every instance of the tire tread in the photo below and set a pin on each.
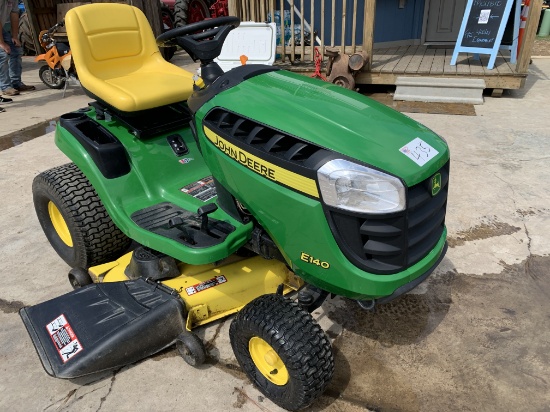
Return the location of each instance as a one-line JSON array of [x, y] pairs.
[[99, 239], [294, 335]]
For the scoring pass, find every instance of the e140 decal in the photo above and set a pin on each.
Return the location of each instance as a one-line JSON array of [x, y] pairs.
[[310, 259]]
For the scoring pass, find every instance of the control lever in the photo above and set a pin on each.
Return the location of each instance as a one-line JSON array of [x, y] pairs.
[[203, 213], [175, 222], [178, 223]]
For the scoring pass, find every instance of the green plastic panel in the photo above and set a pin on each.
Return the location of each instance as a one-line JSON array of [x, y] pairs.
[[156, 176]]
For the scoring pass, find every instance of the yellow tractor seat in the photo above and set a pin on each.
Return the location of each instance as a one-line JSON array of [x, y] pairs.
[[118, 60]]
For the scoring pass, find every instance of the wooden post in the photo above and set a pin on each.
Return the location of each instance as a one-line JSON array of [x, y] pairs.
[[263, 13], [232, 8], [332, 28], [529, 37], [292, 34], [283, 52], [343, 37], [312, 31], [272, 10], [368, 31], [323, 29], [354, 26], [252, 5], [302, 37]]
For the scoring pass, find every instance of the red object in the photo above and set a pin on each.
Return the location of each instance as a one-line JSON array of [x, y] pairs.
[[219, 9], [197, 11], [318, 59], [170, 3]]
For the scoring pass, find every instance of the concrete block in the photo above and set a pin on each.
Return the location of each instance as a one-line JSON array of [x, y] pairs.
[[440, 90]]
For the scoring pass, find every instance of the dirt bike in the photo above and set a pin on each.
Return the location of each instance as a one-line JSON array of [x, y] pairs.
[[59, 67]]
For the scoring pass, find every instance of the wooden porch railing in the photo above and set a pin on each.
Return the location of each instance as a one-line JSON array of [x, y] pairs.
[[319, 22]]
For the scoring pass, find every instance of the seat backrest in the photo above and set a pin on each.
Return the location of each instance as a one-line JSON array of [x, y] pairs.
[[109, 40]]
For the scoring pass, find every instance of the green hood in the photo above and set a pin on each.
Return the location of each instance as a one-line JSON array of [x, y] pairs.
[[335, 118]]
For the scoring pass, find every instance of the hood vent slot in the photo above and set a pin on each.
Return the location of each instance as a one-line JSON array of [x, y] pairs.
[[246, 132]]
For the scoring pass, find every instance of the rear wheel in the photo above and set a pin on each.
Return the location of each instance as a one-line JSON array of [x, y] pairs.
[[74, 219], [190, 11], [50, 78], [168, 24], [283, 351], [25, 35]]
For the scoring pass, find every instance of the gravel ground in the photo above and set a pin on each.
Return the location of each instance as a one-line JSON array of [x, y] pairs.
[[541, 47]]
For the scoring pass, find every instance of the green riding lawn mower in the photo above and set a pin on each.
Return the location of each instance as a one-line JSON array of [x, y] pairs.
[[257, 191]]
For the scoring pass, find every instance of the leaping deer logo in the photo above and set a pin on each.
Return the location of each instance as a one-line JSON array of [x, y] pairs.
[[436, 184]]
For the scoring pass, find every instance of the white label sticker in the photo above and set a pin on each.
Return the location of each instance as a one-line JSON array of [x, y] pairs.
[[64, 338], [484, 16], [207, 284], [419, 151]]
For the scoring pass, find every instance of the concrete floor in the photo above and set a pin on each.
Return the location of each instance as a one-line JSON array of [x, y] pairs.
[[474, 337]]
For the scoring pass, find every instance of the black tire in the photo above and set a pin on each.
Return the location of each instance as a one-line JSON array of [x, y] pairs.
[[91, 237], [182, 12], [297, 341], [169, 52], [191, 348], [25, 35], [79, 277], [168, 24], [167, 16], [50, 78]]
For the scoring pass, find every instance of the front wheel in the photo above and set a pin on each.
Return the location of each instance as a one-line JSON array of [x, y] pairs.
[[283, 351], [50, 78], [78, 278], [191, 349]]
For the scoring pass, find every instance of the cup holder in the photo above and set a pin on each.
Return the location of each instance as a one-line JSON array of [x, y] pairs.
[[73, 116]]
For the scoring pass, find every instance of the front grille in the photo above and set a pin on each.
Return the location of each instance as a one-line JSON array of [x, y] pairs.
[[263, 140], [386, 244]]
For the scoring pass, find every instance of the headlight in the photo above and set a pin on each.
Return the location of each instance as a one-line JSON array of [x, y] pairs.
[[357, 188]]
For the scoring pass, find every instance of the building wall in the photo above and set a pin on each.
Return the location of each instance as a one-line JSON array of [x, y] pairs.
[[395, 24], [391, 22]]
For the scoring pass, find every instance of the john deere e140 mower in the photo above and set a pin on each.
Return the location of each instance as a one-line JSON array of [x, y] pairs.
[[234, 189]]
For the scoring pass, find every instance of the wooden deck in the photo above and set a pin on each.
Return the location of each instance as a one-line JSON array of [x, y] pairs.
[[415, 61]]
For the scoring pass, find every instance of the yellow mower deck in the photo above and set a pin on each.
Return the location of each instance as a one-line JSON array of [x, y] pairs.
[[211, 292]]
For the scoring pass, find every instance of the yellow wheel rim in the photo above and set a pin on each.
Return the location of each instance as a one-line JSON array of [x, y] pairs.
[[59, 224], [267, 361]]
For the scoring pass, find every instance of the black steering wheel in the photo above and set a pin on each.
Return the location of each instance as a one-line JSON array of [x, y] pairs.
[[202, 40]]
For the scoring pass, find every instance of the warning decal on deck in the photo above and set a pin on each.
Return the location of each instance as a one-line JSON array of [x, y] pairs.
[[203, 189], [207, 284], [64, 338]]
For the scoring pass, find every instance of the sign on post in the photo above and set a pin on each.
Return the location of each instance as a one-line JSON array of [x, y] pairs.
[[482, 29]]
